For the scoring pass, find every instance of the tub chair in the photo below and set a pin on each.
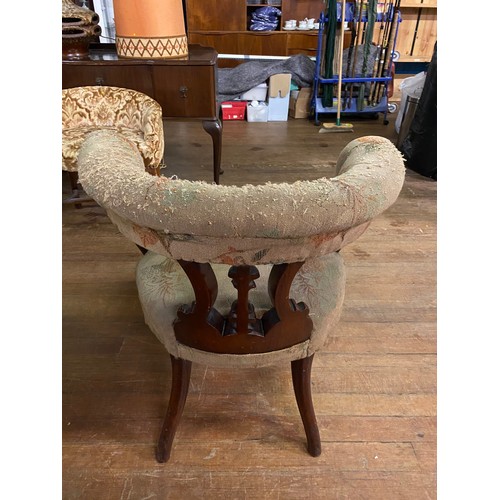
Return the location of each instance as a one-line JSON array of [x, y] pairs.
[[241, 276], [136, 116]]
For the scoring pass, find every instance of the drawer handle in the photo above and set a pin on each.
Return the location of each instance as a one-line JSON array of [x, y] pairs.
[[99, 80], [183, 92]]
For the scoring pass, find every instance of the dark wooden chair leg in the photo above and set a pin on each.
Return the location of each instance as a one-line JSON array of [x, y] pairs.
[[214, 129], [301, 376], [73, 179], [181, 373]]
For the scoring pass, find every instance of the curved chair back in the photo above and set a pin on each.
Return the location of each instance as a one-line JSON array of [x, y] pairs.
[[270, 223]]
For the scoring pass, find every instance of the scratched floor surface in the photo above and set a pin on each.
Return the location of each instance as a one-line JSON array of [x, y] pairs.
[[374, 385]]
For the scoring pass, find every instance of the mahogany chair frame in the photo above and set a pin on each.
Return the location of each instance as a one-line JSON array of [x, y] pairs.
[[201, 326]]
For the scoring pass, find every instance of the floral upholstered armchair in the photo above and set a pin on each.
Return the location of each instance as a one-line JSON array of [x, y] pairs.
[[277, 243], [136, 116]]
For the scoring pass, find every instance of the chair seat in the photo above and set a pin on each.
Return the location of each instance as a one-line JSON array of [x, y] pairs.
[[73, 138], [163, 287]]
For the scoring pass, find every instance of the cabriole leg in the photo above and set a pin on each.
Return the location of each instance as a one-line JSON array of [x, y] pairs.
[[301, 376], [181, 373]]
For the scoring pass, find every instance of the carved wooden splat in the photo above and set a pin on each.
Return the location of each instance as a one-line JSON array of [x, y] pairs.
[[242, 318], [201, 326]]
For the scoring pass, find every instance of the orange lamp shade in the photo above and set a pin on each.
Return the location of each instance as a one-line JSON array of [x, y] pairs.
[[152, 29]]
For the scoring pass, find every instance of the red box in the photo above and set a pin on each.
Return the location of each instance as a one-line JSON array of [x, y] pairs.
[[233, 110]]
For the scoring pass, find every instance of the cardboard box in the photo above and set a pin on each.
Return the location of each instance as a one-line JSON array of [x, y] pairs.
[[257, 113], [279, 97], [233, 110], [258, 93], [300, 101]]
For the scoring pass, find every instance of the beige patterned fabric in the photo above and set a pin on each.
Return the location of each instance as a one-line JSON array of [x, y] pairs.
[[270, 223], [228, 225], [136, 116], [163, 287]]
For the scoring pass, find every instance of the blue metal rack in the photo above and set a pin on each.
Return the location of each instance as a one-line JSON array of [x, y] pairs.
[[351, 105]]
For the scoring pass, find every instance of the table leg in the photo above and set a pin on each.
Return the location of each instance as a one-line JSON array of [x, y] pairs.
[[214, 128]]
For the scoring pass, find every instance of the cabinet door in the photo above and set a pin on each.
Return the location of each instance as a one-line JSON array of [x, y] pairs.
[[186, 91], [133, 77], [223, 43], [262, 43], [300, 9], [216, 15], [302, 43]]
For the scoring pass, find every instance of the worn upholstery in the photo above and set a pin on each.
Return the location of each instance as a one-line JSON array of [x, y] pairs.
[[136, 116], [270, 223], [227, 225], [163, 286]]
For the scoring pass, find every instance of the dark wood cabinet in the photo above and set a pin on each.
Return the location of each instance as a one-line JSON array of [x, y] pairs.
[[185, 88]]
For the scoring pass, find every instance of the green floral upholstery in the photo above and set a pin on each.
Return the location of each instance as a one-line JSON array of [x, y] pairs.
[[251, 225], [270, 223], [163, 285]]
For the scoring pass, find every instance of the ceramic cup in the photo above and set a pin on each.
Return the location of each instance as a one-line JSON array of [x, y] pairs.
[[302, 24], [310, 23], [316, 26], [292, 23]]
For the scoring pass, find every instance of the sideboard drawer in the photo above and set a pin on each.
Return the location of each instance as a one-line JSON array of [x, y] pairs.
[[185, 91], [133, 77]]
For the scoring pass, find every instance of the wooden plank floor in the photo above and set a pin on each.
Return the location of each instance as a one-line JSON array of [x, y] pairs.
[[374, 385]]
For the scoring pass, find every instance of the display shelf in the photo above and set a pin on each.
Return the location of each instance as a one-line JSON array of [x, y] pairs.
[[223, 24]]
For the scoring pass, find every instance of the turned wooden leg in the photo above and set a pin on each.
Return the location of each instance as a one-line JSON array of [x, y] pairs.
[[75, 193], [214, 129], [181, 373], [301, 376], [75, 197]]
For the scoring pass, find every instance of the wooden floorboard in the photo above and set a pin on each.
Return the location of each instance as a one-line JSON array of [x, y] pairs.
[[374, 384]]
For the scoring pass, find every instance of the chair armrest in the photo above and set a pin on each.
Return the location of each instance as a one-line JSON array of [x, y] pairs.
[[152, 129]]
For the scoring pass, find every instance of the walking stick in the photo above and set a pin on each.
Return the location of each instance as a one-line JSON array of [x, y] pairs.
[[380, 45], [372, 15], [327, 98], [388, 49], [359, 35]]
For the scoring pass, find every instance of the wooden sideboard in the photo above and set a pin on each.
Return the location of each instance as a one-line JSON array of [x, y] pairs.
[[184, 88]]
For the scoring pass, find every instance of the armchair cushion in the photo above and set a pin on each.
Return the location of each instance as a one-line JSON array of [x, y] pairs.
[[136, 116]]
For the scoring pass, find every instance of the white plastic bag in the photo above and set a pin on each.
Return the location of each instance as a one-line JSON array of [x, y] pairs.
[[410, 87]]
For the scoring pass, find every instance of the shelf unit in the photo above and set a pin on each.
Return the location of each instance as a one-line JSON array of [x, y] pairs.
[[418, 30], [223, 24], [417, 36]]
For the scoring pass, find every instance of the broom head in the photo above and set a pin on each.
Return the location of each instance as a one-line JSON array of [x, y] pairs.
[[336, 127]]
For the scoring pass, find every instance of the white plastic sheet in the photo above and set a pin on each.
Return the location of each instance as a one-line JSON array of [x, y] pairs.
[[410, 87]]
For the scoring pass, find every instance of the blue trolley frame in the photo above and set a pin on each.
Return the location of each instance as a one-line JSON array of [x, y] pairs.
[[381, 107]]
